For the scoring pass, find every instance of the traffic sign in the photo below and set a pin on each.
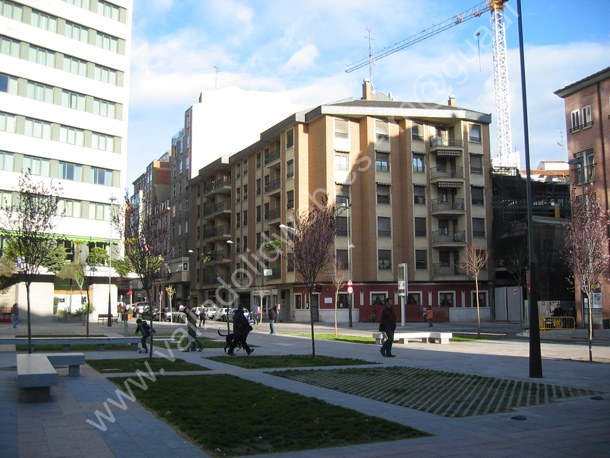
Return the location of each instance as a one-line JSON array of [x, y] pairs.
[[350, 290]]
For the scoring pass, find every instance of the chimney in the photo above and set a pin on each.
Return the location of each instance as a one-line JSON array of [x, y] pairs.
[[367, 90], [452, 102]]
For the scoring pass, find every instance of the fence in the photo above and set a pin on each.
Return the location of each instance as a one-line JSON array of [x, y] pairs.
[[557, 322]]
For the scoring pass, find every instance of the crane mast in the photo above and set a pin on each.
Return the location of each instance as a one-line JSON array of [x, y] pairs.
[[505, 155]]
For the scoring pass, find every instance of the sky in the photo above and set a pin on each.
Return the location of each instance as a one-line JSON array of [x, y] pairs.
[[181, 47]]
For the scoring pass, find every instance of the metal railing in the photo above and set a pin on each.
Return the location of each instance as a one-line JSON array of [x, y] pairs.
[[557, 322]]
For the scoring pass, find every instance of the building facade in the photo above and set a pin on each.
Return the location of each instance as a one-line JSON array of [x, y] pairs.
[[410, 183], [64, 99], [587, 111]]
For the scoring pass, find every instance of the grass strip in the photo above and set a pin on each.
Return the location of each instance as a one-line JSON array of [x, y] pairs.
[[286, 361], [250, 418], [339, 338], [132, 365]]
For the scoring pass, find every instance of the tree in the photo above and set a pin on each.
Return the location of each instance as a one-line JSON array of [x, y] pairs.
[[145, 239], [314, 235], [472, 263], [28, 225], [339, 281], [586, 247]]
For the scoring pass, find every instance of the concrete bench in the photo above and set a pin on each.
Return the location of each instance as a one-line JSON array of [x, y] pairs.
[[73, 360], [67, 341], [424, 337], [35, 376]]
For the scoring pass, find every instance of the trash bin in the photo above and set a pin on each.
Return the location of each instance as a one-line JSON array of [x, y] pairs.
[[606, 323]]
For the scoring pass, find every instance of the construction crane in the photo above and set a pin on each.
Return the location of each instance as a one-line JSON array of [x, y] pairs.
[[499, 60]]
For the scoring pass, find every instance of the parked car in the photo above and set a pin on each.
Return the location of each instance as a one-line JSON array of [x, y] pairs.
[[148, 311], [165, 314], [246, 314], [221, 314], [210, 312], [138, 308]]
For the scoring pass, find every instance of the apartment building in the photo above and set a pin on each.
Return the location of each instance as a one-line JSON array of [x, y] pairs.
[[410, 184], [587, 111], [64, 94]]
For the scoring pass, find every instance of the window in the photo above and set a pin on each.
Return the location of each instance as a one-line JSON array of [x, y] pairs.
[[420, 227], [477, 195], [40, 92], [482, 298], [8, 122], [71, 208], [99, 211], [9, 47], [7, 161], [8, 84], [238, 196], [474, 135], [342, 259], [417, 131], [478, 227], [383, 194], [418, 163], [586, 117], [384, 259], [245, 217], [446, 299], [341, 161], [289, 169], [575, 121], [342, 195], [258, 160], [74, 65], [290, 138], [290, 200], [76, 32], [36, 166], [419, 195], [100, 176], [378, 298], [104, 108], [105, 75], [72, 136], [341, 128], [102, 142], [341, 229], [245, 192], [258, 213], [43, 21], [382, 162], [414, 299], [11, 10], [298, 301], [588, 172], [108, 10], [68, 171], [476, 164], [38, 129], [382, 135], [245, 167], [6, 200], [421, 259], [107, 42], [41, 56], [80, 3], [384, 227], [73, 100]]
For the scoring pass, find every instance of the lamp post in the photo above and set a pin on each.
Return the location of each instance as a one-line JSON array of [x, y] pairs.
[[112, 199]]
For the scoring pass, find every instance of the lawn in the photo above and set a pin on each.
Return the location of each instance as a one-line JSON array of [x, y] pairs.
[[132, 365], [287, 361], [229, 416], [338, 338]]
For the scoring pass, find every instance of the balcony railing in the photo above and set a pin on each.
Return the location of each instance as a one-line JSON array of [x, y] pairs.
[[439, 141], [217, 184], [216, 231], [444, 270], [219, 255], [273, 185], [445, 173], [442, 205], [211, 209], [445, 236], [273, 214], [216, 279], [273, 156]]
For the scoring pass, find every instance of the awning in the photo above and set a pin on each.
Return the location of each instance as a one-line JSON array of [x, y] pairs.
[[449, 184], [448, 152]]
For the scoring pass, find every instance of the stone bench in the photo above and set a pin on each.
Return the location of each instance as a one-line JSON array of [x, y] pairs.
[[424, 337], [73, 360], [35, 376], [67, 341]]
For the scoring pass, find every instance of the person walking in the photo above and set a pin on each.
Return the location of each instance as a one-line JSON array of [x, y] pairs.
[[145, 329], [279, 313], [429, 316], [15, 314], [272, 317], [191, 329], [258, 314], [202, 316], [241, 329], [387, 325]]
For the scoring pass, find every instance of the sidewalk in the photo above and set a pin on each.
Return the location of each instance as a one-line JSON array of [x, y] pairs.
[[574, 427]]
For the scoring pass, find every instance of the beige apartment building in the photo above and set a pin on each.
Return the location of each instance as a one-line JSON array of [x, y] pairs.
[[587, 109], [411, 185]]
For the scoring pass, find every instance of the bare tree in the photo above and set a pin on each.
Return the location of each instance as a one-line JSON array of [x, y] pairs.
[[339, 281], [586, 247], [145, 239], [28, 229], [314, 235], [472, 262]]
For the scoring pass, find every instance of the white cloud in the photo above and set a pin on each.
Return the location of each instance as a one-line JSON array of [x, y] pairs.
[[303, 59]]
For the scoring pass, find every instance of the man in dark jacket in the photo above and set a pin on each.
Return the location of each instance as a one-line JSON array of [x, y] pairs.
[[241, 328], [387, 324], [145, 329], [272, 318]]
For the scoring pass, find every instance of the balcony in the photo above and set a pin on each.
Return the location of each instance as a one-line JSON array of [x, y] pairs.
[[448, 238], [273, 186], [446, 270], [444, 173], [444, 206], [450, 146], [271, 157], [217, 256], [219, 232], [215, 280], [222, 185], [211, 210], [273, 214]]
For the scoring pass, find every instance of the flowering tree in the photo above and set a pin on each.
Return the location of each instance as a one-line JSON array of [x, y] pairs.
[[472, 262], [339, 281], [314, 235], [586, 247]]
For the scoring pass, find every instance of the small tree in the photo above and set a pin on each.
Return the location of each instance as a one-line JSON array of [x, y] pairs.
[[314, 235], [586, 247], [339, 281], [472, 263], [28, 225], [170, 294]]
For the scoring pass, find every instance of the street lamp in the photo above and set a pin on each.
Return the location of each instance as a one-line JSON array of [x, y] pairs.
[[112, 199], [346, 206]]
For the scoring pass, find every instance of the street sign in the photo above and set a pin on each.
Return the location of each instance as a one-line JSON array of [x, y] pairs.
[[350, 287]]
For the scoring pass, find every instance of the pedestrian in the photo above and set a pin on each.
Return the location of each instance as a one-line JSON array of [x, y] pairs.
[[15, 314], [429, 316], [387, 325], [279, 313], [272, 317], [241, 328], [258, 314], [145, 329], [202, 316], [191, 328]]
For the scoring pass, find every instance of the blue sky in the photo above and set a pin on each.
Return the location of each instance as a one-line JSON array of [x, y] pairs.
[[303, 48]]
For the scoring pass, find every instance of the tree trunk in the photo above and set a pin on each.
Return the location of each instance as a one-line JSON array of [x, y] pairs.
[[476, 283], [27, 289], [336, 300], [590, 313], [313, 340]]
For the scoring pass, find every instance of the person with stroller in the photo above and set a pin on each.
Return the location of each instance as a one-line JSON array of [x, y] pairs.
[[241, 329]]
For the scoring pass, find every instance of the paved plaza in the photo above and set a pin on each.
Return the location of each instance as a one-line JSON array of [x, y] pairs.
[[572, 427]]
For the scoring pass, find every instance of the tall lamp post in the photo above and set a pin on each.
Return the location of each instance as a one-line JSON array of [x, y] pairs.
[[112, 199], [578, 161]]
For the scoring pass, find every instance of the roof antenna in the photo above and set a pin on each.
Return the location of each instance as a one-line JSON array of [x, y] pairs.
[[218, 70], [371, 61]]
